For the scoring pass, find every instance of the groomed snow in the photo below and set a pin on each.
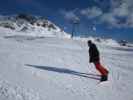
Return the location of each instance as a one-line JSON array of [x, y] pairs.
[[35, 68], [11, 92]]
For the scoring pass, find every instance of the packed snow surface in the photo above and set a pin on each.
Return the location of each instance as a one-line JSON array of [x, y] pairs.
[[52, 68]]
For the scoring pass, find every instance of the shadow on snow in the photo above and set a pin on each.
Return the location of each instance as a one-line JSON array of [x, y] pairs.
[[66, 71]]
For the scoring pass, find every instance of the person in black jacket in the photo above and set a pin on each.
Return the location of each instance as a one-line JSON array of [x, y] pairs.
[[95, 58]]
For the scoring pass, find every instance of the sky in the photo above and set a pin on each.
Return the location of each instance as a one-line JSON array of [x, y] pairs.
[[104, 18]]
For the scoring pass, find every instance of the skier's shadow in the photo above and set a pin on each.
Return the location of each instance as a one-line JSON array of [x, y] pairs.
[[66, 71]]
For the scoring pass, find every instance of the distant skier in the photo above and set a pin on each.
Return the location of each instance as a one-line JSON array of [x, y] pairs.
[[95, 58]]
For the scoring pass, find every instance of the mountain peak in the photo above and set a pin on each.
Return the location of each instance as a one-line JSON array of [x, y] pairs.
[[31, 24]]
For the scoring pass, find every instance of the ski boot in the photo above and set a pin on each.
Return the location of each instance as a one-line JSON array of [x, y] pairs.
[[104, 78]]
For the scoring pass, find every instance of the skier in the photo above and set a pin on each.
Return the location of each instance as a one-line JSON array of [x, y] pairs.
[[95, 59]]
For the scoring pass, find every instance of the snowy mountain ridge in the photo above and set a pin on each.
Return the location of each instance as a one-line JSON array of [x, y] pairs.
[[35, 26], [27, 24]]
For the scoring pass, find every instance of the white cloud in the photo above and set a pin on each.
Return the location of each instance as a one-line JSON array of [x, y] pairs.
[[120, 9], [130, 20], [108, 18], [91, 12], [119, 14], [70, 15]]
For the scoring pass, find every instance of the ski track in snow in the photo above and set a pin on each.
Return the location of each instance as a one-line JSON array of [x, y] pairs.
[[52, 68]]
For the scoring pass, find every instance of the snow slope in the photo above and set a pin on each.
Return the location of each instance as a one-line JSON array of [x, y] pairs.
[[103, 41], [35, 68]]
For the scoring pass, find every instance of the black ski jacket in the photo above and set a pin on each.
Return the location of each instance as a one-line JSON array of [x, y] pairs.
[[93, 53]]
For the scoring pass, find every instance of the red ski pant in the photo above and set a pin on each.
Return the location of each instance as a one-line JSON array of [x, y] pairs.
[[100, 68]]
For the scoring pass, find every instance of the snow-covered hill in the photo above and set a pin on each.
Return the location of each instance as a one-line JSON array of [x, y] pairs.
[[31, 25], [98, 40], [36, 68], [23, 25]]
